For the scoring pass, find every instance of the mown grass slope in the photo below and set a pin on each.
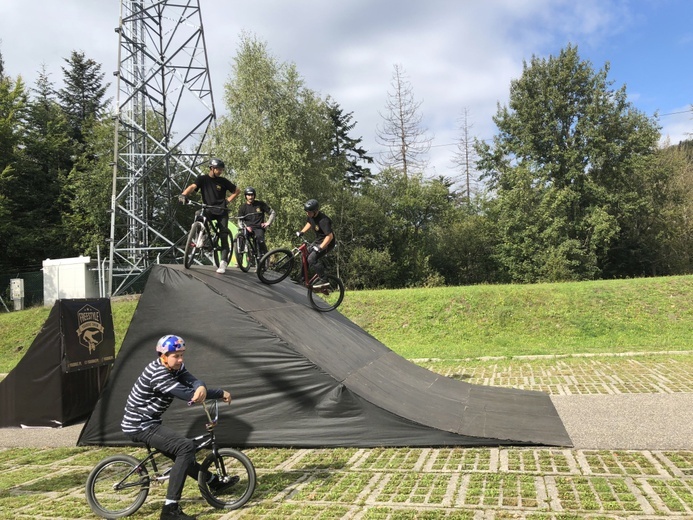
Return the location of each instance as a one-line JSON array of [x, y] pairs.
[[615, 316]]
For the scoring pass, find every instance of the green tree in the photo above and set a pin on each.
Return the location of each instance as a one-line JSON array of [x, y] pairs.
[[82, 97], [670, 230], [346, 150], [407, 212], [48, 150], [88, 221], [462, 244], [13, 100], [568, 168], [37, 180], [276, 135]]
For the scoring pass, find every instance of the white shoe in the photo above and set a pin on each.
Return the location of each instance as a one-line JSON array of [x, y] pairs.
[[321, 284], [222, 267]]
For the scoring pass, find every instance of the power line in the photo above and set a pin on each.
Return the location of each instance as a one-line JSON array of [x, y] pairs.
[[676, 113]]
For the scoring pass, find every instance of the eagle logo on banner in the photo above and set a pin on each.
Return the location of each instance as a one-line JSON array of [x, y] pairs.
[[90, 330]]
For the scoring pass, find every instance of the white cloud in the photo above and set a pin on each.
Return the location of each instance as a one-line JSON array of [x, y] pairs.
[[457, 54], [677, 126]]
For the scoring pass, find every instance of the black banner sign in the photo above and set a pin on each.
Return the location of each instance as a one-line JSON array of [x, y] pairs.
[[87, 331]]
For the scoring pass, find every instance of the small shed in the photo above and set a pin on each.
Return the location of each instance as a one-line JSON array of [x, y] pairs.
[[69, 278]]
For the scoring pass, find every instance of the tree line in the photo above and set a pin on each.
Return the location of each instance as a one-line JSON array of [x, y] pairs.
[[573, 186]]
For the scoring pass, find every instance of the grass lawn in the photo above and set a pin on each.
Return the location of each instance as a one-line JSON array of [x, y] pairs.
[[437, 327]]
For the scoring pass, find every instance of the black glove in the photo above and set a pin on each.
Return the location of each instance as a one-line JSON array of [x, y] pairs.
[[299, 233], [183, 199], [317, 249]]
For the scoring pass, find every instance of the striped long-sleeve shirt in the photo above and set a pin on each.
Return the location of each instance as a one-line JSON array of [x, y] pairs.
[[153, 393]]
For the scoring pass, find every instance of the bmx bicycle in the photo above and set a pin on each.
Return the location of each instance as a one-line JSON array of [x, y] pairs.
[[203, 238], [119, 485], [277, 264], [245, 246]]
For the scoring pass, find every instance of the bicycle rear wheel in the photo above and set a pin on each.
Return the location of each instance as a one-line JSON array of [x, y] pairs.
[[227, 466], [114, 490], [194, 243], [325, 299], [275, 266], [239, 249]]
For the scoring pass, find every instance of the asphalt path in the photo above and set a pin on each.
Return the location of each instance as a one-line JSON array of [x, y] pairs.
[[628, 421], [599, 422]]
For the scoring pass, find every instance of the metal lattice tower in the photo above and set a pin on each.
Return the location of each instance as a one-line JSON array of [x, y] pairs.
[[164, 109]]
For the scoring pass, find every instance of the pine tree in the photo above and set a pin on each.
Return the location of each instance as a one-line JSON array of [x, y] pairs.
[[13, 99], [346, 149], [36, 183], [82, 97]]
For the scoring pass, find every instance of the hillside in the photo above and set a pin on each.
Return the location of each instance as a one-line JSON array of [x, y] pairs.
[[638, 315], [645, 314]]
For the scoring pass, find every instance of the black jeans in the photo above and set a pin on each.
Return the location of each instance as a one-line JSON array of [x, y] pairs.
[[177, 448], [259, 233], [314, 258], [223, 226]]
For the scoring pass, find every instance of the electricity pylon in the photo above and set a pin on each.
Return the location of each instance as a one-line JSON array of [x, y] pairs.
[[164, 110]]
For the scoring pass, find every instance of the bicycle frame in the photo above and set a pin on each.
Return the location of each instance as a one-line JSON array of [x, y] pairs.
[[211, 225], [212, 233], [249, 236], [201, 442], [226, 478], [279, 263], [303, 251]]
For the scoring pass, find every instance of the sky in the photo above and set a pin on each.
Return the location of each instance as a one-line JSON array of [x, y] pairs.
[[458, 55]]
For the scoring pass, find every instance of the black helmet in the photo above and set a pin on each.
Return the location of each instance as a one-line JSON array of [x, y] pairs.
[[217, 163], [311, 205], [250, 190]]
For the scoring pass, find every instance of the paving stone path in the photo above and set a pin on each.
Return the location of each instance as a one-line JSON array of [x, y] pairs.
[[638, 397]]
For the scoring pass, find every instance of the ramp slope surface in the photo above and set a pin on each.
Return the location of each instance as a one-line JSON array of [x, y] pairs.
[[305, 379]]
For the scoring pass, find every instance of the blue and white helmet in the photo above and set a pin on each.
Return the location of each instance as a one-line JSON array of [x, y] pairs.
[[170, 343]]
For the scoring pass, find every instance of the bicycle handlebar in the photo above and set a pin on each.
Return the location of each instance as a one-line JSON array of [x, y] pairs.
[[241, 219], [207, 206], [214, 406], [304, 240]]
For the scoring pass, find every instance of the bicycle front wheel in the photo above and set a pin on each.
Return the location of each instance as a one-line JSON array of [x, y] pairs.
[[194, 243], [233, 481], [241, 254], [327, 298], [275, 266], [115, 489], [217, 257]]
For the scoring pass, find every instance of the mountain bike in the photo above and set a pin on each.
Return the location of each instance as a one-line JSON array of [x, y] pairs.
[[277, 264], [119, 485], [245, 246], [204, 238]]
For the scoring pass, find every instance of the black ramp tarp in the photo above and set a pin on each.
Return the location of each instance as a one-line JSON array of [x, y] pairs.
[[304, 379], [58, 380]]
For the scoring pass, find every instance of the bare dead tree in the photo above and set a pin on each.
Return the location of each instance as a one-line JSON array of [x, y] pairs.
[[407, 142], [465, 156]]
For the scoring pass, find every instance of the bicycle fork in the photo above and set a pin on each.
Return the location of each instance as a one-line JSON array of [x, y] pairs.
[[220, 466], [200, 239]]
